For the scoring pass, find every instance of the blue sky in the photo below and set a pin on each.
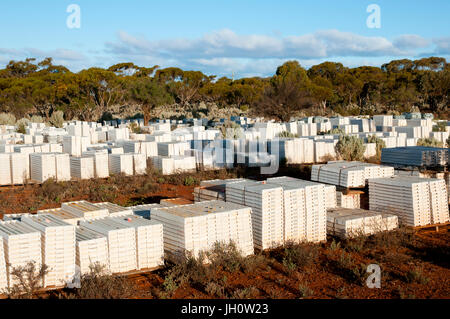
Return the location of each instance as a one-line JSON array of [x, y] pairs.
[[244, 38]]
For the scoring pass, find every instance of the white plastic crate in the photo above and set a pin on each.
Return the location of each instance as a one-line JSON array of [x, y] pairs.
[[58, 248]]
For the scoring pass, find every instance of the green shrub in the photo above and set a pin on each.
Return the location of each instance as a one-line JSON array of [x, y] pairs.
[[380, 144], [429, 142], [57, 119], [7, 119], [299, 256], [337, 131], [286, 134], [37, 119], [190, 181], [99, 284], [28, 280], [440, 127], [21, 125], [350, 148]]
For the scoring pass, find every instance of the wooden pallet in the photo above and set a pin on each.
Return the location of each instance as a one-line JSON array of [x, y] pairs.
[[432, 227]]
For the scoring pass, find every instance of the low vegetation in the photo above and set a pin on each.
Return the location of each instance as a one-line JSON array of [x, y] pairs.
[[350, 148]]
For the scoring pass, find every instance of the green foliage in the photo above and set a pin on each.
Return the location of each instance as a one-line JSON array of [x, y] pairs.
[[57, 119], [429, 142], [337, 131], [135, 128], [98, 283], [350, 148], [36, 119], [286, 134], [380, 144], [231, 130], [7, 119], [28, 279], [190, 181], [41, 87], [299, 256], [21, 125], [440, 126]]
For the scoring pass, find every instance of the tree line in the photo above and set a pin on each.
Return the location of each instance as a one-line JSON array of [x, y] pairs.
[[41, 88]]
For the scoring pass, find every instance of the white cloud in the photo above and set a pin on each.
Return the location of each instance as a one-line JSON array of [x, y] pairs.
[[442, 45], [411, 41], [225, 52], [226, 43]]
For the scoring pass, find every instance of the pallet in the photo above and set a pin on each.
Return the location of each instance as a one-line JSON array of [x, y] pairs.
[[432, 227], [136, 273]]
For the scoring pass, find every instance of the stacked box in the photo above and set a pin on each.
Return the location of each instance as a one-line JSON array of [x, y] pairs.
[[121, 243], [67, 216], [197, 227], [92, 249], [348, 200], [121, 164], [22, 244], [410, 198], [149, 240], [345, 223], [114, 210], [315, 206], [85, 209], [82, 167], [266, 202], [58, 247], [3, 276]]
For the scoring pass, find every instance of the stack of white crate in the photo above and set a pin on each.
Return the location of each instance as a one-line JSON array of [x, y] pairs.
[[349, 174], [114, 210], [3, 276], [324, 149], [164, 164], [410, 199], [197, 227], [266, 202], [91, 250], [184, 163], [213, 189], [172, 148], [345, 223], [86, 209], [447, 181], [331, 197], [75, 145], [62, 167], [315, 206], [42, 166], [58, 247], [149, 149], [121, 164], [438, 200], [20, 168], [101, 166], [145, 210], [121, 243], [22, 244], [352, 200], [69, 217], [5, 170], [149, 240], [82, 167], [139, 164], [184, 231]]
